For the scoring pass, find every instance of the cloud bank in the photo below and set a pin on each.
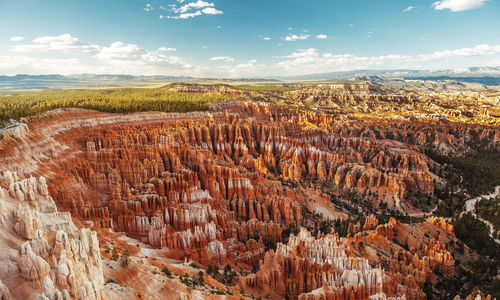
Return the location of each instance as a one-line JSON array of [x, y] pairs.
[[66, 54]]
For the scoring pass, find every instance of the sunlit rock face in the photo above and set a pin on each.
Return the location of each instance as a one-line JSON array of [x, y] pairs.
[[42, 252], [325, 267], [306, 264]]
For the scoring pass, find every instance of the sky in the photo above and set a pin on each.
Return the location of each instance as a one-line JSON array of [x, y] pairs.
[[245, 38]]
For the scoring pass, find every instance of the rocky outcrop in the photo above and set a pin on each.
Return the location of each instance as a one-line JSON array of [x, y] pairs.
[[53, 264], [441, 223], [320, 268], [370, 222]]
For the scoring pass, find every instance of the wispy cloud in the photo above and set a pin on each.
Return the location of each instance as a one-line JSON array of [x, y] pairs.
[[409, 8], [321, 36], [223, 58], [458, 5], [64, 42], [167, 49], [294, 37], [16, 38], [148, 7], [186, 15], [479, 50]]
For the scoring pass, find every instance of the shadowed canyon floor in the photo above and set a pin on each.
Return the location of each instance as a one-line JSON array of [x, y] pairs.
[[286, 202]]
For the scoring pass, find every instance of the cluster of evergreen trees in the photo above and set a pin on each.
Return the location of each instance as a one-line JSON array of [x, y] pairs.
[[123, 100]]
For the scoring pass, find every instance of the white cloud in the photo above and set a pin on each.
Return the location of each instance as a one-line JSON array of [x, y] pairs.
[[218, 26], [409, 8], [266, 38], [186, 15], [167, 49], [192, 9], [311, 61], [117, 58], [64, 43], [192, 5], [223, 58], [148, 7], [211, 11], [458, 5], [21, 64], [119, 51], [125, 58], [321, 36], [294, 37], [242, 70], [479, 50], [75, 57], [16, 38]]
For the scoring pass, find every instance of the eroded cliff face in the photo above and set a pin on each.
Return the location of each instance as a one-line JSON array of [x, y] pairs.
[[306, 264], [329, 267], [199, 186], [42, 254], [323, 94], [212, 187]]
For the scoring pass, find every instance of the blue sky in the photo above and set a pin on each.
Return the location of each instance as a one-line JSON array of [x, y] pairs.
[[241, 38]]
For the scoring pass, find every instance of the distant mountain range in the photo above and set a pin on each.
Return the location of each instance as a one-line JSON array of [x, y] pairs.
[[451, 74], [50, 81], [489, 76]]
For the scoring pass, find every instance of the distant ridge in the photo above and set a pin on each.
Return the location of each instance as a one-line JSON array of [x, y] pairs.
[[489, 76], [402, 73]]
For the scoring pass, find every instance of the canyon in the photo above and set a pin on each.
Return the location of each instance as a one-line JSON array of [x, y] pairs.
[[245, 185]]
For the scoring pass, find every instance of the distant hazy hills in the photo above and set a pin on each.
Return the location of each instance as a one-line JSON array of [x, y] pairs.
[[24, 82], [452, 74], [489, 76]]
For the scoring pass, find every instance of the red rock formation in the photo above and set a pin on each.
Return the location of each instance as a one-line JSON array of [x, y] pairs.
[[441, 223], [310, 268], [370, 222], [216, 188]]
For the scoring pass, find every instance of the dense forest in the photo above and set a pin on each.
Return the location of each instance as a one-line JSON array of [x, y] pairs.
[[122, 100], [489, 209], [482, 271]]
